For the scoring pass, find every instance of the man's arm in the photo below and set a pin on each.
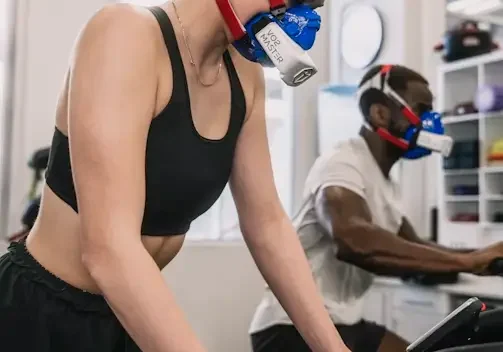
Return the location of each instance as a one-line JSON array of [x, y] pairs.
[[271, 237], [366, 245], [408, 233]]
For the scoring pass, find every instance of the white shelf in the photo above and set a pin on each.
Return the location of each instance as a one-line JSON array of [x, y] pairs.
[[453, 199], [491, 15], [491, 115], [461, 172], [457, 83], [492, 225], [472, 62], [476, 117], [448, 120], [494, 197], [492, 169]]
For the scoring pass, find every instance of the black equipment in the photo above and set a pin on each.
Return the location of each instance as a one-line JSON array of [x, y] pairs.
[[466, 41], [469, 328], [38, 163]]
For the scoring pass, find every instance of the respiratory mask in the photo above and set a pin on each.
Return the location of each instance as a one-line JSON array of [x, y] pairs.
[[424, 134], [279, 38]]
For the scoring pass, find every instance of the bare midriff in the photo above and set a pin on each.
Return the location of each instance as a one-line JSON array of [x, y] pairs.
[[55, 243]]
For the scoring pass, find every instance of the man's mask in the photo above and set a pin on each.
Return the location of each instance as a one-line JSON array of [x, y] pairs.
[[424, 134]]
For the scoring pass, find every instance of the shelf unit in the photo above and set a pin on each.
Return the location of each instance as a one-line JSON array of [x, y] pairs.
[[457, 83]]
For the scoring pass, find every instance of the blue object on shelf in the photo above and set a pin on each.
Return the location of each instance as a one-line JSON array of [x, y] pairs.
[[464, 155], [465, 190], [343, 90]]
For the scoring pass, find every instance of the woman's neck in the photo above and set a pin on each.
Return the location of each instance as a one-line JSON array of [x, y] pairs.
[[206, 31]]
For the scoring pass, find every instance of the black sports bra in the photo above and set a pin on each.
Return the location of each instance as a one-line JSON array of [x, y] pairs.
[[185, 173]]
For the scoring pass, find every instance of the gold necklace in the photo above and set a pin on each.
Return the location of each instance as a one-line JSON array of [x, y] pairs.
[[192, 62]]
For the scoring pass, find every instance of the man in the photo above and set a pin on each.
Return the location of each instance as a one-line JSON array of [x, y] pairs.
[[351, 223]]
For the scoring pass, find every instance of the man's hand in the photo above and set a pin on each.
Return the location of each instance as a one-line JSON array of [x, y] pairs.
[[482, 258]]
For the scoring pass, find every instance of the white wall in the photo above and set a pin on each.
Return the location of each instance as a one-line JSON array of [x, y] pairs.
[[47, 30], [305, 108], [218, 286], [434, 25], [392, 51]]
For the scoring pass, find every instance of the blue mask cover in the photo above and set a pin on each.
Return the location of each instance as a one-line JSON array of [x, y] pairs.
[[427, 138], [300, 23]]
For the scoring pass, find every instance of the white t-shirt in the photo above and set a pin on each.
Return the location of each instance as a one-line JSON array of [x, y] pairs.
[[343, 286]]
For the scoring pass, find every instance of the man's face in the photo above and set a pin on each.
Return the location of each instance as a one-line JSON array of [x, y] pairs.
[[419, 98], [390, 117]]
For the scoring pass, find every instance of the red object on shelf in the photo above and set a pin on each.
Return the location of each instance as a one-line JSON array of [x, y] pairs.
[[465, 217]]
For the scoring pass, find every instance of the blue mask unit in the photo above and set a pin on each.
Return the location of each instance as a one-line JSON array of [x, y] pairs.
[[300, 23], [279, 38], [429, 137]]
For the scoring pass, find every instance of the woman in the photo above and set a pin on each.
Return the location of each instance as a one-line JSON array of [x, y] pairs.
[[146, 159]]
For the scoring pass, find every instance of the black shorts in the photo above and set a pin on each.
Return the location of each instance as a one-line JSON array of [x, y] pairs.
[[362, 337], [41, 313]]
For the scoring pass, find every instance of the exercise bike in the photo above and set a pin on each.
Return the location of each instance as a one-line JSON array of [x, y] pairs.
[[37, 163], [469, 328]]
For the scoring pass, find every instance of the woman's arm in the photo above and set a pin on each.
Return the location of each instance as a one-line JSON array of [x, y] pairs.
[[112, 97], [271, 237]]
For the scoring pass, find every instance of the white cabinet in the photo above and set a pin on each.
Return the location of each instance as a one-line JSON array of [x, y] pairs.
[[408, 311], [375, 306], [411, 323], [414, 310]]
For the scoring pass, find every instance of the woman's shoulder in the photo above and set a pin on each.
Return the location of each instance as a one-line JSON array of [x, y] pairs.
[[118, 36], [121, 22], [117, 13]]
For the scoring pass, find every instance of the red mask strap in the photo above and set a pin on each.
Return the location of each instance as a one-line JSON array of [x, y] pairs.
[[386, 135], [278, 7], [411, 116], [386, 69], [236, 28], [238, 31]]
